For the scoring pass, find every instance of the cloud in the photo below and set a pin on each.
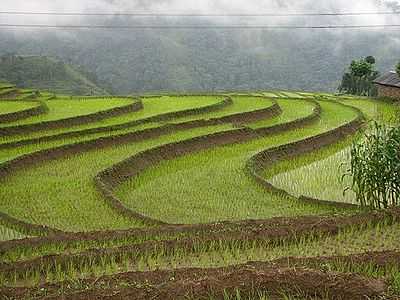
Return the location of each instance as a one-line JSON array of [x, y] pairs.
[[200, 6]]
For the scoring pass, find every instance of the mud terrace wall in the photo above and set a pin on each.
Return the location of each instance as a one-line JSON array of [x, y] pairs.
[[262, 233]]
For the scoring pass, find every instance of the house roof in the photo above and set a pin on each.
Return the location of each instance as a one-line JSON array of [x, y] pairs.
[[389, 79]]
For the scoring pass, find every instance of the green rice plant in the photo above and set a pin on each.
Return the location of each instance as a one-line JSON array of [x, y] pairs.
[[291, 94], [291, 110], [151, 107], [62, 194], [271, 94], [318, 174], [7, 234], [241, 104], [349, 241], [7, 107], [375, 167], [6, 90], [66, 108], [212, 185], [352, 240], [63, 187]]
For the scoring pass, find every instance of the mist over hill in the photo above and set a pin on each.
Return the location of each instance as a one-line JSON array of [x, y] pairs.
[[212, 59], [46, 73]]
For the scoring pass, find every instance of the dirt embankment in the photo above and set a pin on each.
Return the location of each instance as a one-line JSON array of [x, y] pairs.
[[278, 227], [274, 277], [258, 233]]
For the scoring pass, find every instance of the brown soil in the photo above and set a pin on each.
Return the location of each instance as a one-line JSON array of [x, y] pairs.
[[289, 231], [279, 224], [195, 283], [377, 259]]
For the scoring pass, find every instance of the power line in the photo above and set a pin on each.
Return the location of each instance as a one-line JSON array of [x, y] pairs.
[[170, 14], [49, 26]]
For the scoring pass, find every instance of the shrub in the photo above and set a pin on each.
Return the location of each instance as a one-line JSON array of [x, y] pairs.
[[375, 167]]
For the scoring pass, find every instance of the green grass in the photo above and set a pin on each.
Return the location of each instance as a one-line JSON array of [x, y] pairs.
[[212, 185], [7, 107], [318, 174], [61, 193], [67, 108], [152, 107]]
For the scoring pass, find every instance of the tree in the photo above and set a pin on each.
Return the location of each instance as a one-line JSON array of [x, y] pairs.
[[370, 59], [360, 68], [398, 68], [358, 80]]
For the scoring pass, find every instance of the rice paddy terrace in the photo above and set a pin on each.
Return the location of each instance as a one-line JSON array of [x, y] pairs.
[[226, 196]]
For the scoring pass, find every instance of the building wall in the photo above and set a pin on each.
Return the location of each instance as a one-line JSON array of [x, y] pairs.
[[387, 91]]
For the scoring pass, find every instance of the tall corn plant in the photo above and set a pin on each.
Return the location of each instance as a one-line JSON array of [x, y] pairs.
[[375, 167]]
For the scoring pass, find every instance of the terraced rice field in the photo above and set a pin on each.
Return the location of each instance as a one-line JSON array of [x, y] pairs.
[[120, 198]]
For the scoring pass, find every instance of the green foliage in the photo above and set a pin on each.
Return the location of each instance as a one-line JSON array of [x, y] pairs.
[[370, 59], [360, 68], [375, 167], [398, 68], [358, 81]]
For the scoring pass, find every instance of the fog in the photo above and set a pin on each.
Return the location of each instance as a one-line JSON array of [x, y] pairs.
[[144, 60], [204, 6]]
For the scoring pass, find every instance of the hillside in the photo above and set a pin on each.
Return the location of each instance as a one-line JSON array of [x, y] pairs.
[[47, 74], [120, 198]]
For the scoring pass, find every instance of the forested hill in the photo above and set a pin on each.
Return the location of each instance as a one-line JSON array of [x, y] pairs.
[[47, 74], [207, 60]]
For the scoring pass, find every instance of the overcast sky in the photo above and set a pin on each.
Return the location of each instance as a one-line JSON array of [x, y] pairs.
[[202, 6], [191, 5]]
